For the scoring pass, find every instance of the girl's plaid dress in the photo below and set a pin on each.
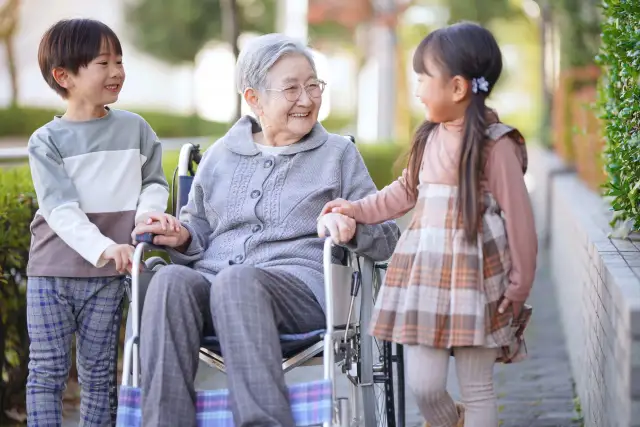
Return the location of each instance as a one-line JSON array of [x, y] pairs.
[[442, 290]]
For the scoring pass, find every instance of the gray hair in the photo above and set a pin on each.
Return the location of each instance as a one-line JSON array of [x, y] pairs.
[[259, 55]]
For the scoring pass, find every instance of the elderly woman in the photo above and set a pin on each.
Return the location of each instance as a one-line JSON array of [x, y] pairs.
[[248, 259]]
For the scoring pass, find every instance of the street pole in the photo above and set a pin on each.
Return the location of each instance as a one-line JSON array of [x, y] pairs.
[[384, 48], [292, 18], [547, 69], [231, 27]]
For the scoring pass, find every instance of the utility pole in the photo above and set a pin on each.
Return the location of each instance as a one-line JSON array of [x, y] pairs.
[[547, 68], [292, 18], [384, 48], [231, 29]]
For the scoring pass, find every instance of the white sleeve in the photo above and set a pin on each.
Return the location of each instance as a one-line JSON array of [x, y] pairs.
[[59, 203]]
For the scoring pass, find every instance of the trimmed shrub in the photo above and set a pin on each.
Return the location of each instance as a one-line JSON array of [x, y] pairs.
[[22, 121], [17, 207], [620, 104]]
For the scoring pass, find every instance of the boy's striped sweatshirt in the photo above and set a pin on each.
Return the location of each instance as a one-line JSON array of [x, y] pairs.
[[94, 181]]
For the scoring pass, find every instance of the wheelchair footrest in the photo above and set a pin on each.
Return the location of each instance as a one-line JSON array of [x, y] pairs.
[[311, 404]]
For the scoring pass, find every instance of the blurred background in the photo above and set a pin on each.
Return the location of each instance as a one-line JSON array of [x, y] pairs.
[[180, 54], [179, 57]]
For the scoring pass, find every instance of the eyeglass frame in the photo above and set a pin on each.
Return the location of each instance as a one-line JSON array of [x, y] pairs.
[[322, 83]]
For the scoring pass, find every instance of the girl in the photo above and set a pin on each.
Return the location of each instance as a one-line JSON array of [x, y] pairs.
[[461, 272]]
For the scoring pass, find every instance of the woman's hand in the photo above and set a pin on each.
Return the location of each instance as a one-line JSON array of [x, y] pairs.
[[340, 206], [168, 230], [341, 228]]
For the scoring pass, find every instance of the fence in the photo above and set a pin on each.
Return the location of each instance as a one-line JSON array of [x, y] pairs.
[[577, 130]]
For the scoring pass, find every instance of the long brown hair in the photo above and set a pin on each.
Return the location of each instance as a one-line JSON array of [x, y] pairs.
[[470, 51]]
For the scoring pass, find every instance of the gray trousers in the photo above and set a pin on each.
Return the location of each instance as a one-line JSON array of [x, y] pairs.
[[248, 308]]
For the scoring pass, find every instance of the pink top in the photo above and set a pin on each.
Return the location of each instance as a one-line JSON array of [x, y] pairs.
[[502, 177]]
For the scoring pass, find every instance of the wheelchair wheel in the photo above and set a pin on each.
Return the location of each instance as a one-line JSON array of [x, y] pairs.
[[377, 376], [154, 263]]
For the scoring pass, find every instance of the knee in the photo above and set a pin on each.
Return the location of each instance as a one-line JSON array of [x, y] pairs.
[[473, 392], [426, 390], [237, 281], [50, 376], [169, 284]]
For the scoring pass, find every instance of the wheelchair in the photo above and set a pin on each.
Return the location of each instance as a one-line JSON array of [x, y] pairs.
[[374, 370]]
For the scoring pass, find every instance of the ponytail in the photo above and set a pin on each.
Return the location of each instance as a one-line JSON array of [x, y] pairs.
[[470, 160]]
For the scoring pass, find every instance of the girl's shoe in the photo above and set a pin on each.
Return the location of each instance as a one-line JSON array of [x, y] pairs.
[[460, 408]]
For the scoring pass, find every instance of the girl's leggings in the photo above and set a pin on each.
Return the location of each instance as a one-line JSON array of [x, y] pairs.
[[58, 309], [428, 380]]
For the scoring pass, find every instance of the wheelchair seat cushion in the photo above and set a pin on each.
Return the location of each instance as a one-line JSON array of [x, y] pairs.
[[291, 344]]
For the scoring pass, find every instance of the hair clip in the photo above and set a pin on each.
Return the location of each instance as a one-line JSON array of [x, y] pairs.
[[479, 83]]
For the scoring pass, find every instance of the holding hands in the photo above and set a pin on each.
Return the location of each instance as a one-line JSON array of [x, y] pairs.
[[336, 220], [167, 229], [340, 206]]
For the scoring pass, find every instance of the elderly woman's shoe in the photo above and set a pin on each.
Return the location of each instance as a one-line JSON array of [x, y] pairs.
[[460, 408]]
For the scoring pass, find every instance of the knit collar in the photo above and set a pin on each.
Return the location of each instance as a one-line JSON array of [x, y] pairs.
[[239, 139]]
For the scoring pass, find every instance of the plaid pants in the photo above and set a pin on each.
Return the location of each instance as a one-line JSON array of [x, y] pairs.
[[58, 308]]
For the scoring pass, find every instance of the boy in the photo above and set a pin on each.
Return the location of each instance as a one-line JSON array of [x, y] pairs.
[[97, 172]]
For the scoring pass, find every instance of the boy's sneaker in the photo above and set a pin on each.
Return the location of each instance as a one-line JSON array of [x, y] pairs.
[[460, 408]]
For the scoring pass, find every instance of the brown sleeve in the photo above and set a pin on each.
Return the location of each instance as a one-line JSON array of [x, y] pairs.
[[389, 203], [505, 180]]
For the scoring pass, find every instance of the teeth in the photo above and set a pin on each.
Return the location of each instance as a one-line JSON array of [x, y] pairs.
[[112, 87], [299, 114]]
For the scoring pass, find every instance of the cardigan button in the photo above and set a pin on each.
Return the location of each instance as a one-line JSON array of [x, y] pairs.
[[268, 163], [255, 194], [256, 228]]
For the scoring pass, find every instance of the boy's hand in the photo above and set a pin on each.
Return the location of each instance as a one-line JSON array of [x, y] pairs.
[[167, 222], [121, 255], [340, 206]]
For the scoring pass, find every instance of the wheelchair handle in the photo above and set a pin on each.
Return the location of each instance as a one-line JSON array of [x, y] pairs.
[[145, 238]]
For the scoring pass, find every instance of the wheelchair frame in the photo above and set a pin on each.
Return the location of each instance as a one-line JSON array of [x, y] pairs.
[[348, 345]]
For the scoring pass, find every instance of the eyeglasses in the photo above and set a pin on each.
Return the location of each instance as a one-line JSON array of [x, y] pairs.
[[292, 93]]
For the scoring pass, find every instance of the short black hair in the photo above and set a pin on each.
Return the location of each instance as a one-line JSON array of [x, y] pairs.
[[71, 44]]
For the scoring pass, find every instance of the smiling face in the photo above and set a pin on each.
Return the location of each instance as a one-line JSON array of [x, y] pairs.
[[283, 114], [436, 92], [99, 82]]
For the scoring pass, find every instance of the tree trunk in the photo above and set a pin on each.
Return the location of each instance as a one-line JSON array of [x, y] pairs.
[[13, 70], [8, 26], [231, 28]]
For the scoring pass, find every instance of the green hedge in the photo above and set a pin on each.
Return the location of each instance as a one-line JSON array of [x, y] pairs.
[[22, 121], [16, 210], [620, 103]]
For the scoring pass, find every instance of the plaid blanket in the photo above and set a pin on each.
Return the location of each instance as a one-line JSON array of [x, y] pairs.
[[311, 404]]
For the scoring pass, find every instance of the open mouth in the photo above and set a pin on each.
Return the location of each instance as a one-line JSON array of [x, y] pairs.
[[299, 115], [113, 88]]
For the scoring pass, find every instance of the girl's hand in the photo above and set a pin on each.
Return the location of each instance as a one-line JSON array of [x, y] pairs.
[[341, 228], [340, 206], [516, 306]]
